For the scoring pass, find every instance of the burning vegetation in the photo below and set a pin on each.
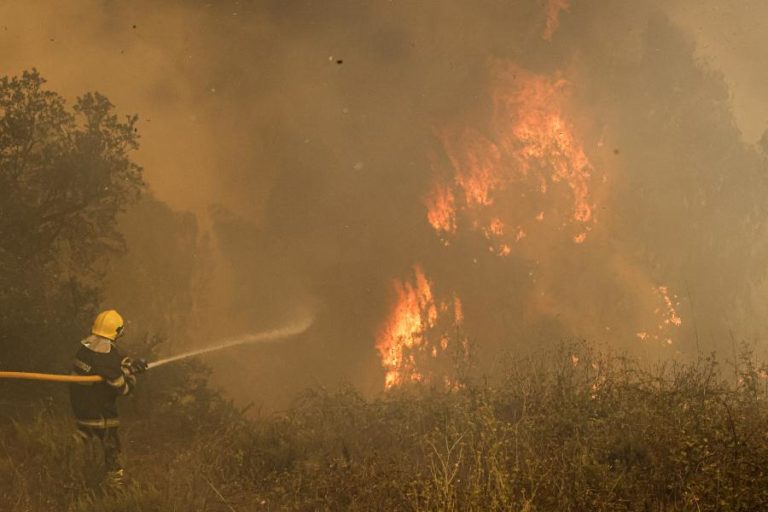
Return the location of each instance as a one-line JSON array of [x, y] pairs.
[[529, 173], [524, 182], [414, 341], [457, 190]]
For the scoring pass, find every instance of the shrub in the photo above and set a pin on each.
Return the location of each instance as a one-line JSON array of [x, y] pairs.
[[571, 431]]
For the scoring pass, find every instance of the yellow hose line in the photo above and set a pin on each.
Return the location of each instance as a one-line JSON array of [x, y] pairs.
[[50, 377]]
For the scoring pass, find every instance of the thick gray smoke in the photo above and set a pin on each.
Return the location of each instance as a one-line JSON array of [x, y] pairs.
[[303, 136]]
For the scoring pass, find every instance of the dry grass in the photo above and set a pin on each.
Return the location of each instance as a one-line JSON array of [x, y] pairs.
[[601, 434]]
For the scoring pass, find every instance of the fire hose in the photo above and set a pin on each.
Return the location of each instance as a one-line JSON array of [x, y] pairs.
[[272, 335], [57, 377], [50, 377]]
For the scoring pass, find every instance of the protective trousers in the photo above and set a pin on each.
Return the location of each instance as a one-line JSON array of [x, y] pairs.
[[110, 443]]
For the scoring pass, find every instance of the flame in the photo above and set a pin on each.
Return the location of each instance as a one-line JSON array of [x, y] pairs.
[[553, 17], [441, 209], [522, 182], [404, 343], [532, 167], [668, 319], [458, 310], [531, 160], [670, 315]]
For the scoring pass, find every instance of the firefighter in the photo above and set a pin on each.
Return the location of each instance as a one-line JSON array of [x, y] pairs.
[[94, 404]]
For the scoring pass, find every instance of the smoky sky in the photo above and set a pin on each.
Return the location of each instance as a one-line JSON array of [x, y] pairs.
[[302, 135], [203, 71]]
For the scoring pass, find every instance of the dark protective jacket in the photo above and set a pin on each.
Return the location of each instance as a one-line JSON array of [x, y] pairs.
[[94, 403]]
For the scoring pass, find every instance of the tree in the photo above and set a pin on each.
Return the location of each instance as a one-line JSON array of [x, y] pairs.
[[65, 174]]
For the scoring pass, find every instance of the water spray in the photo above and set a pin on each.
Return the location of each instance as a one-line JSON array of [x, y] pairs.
[[261, 337]]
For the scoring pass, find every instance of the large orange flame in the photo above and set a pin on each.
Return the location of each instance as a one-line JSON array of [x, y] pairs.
[[531, 153]]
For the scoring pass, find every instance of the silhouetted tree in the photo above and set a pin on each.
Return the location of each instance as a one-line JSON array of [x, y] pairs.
[[65, 173]]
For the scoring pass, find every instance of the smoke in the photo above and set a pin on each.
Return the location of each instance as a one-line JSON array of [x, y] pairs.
[[305, 137], [732, 37]]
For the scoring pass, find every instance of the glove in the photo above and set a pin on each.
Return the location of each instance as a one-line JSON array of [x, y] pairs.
[[126, 365], [133, 366], [139, 366]]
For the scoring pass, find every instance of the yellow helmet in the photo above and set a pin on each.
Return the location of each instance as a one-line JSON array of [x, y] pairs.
[[108, 324]]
